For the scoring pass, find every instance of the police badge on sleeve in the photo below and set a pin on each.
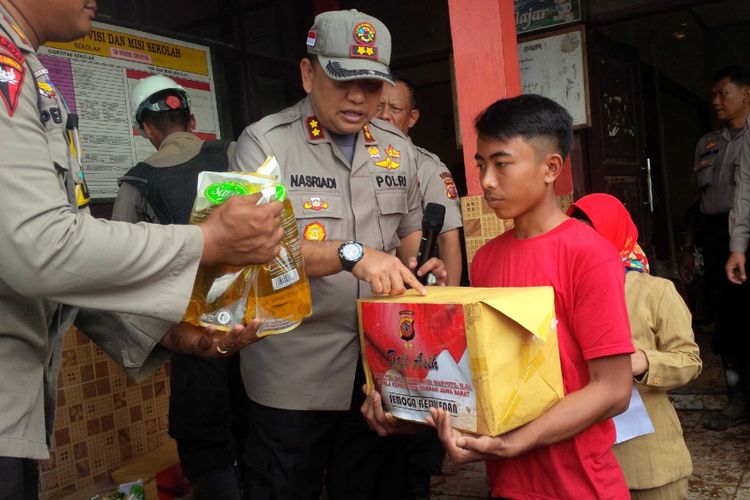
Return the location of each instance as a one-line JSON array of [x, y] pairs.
[[12, 72]]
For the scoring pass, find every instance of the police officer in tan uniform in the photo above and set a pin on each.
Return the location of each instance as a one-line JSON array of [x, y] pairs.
[[398, 105], [353, 185], [56, 257], [717, 160]]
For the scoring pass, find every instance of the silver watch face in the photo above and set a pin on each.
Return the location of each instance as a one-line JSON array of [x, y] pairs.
[[352, 252]]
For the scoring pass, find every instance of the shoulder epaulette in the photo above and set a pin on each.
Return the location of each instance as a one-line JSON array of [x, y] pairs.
[[429, 154], [711, 134], [270, 122], [386, 126]]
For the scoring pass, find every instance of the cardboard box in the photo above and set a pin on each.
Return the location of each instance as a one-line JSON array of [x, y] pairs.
[[489, 356], [147, 467]]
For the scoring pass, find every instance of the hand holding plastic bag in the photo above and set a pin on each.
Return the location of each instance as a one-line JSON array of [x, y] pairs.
[[277, 293]]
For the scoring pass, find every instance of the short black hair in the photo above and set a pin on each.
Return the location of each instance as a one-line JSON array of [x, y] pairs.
[[413, 93], [529, 116], [739, 75], [167, 121]]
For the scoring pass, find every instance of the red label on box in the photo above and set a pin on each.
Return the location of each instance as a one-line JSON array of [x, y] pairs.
[[418, 358]]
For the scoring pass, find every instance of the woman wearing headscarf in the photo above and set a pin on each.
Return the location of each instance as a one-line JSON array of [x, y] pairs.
[[656, 465]]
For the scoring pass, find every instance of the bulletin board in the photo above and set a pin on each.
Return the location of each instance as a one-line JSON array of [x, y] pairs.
[[554, 65], [95, 76]]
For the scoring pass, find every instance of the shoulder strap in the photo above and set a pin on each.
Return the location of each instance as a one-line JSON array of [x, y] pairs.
[[139, 175], [218, 146]]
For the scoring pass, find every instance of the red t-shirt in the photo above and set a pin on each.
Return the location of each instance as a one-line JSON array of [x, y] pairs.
[[587, 276]]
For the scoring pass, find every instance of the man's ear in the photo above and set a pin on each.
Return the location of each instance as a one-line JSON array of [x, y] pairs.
[[153, 134], [413, 117], [191, 123], [554, 166], [307, 72], [147, 130], [746, 94]]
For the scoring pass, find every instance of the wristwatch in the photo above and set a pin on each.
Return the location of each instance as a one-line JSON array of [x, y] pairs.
[[350, 252]]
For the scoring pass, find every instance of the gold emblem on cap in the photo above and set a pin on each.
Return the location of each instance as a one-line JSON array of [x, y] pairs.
[[364, 33]]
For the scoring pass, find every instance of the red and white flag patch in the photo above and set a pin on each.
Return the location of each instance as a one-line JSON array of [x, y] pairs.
[[311, 38]]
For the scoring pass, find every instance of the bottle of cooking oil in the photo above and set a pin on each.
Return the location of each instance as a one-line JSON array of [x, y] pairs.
[[282, 290], [277, 293]]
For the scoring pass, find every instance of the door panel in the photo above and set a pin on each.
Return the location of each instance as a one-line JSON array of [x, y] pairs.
[[615, 141]]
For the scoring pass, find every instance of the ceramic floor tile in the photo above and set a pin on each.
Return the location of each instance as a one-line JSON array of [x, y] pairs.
[[704, 492], [690, 419], [460, 481], [698, 401]]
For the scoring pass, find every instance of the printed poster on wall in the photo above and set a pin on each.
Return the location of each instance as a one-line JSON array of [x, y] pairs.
[[534, 15], [95, 75], [553, 64]]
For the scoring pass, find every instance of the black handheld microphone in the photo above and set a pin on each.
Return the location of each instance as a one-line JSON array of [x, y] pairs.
[[432, 224]]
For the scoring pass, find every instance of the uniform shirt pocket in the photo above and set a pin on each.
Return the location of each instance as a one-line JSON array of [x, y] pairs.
[[704, 170], [319, 214], [392, 205]]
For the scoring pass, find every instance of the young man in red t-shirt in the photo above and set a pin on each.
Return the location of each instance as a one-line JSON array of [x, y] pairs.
[[565, 453]]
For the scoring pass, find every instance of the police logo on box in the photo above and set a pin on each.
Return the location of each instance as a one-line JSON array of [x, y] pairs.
[[406, 325]]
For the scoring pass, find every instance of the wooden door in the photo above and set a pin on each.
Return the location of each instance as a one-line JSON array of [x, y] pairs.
[[616, 140]]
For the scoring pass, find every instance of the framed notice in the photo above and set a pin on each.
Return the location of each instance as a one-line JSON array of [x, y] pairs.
[[554, 65], [534, 15], [95, 75]]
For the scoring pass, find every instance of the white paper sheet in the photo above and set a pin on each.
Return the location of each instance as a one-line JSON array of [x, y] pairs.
[[634, 421]]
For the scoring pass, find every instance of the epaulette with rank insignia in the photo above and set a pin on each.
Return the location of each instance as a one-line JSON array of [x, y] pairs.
[[314, 131], [369, 138]]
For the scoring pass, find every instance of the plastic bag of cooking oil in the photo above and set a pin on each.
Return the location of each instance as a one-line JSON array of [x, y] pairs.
[[277, 293]]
